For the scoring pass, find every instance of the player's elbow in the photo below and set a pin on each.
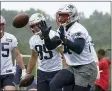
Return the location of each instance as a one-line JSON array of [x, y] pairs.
[[77, 46], [50, 47], [79, 49], [79, 43]]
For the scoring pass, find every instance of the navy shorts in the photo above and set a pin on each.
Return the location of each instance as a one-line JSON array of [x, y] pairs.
[[6, 80], [17, 75], [33, 85], [43, 79]]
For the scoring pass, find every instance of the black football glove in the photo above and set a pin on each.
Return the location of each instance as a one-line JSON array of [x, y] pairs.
[[61, 33], [44, 28]]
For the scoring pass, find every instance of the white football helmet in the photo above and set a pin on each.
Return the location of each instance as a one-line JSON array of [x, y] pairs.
[[34, 21], [2, 24], [69, 13]]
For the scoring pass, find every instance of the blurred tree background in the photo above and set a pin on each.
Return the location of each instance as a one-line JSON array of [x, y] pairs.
[[98, 26]]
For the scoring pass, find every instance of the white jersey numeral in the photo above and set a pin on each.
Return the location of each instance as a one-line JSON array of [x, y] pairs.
[[40, 49], [5, 50]]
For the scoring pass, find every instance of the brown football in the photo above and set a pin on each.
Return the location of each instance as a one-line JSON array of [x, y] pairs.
[[20, 20], [26, 81]]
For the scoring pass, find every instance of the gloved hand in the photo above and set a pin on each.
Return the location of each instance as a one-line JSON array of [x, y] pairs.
[[44, 28], [62, 33]]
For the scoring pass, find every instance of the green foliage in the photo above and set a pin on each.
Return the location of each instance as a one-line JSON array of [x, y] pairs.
[[99, 27]]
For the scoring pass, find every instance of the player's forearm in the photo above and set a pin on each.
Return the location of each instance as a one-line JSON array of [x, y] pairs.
[[31, 64], [20, 61], [77, 46], [19, 58], [52, 43], [65, 65]]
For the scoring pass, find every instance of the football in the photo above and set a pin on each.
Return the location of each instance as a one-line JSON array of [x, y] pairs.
[[26, 81], [20, 20]]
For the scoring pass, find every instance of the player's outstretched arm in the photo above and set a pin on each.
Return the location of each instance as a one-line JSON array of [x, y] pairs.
[[20, 61], [52, 43], [19, 58], [28, 78], [32, 61], [77, 45]]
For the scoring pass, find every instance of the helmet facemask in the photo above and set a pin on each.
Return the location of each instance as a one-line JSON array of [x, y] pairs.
[[62, 18], [35, 29]]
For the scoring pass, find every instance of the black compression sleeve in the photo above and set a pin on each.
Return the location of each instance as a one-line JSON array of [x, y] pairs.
[[77, 46], [52, 43]]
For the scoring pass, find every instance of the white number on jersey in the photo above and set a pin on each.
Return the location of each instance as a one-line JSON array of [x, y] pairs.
[[40, 49], [5, 50]]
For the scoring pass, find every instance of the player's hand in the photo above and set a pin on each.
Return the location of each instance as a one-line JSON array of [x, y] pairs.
[[44, 28], [62, 33], [23, 73]]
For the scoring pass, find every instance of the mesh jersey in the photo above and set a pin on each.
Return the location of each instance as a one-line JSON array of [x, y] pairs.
[[8, 42], [48, 60], [88, 54]]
